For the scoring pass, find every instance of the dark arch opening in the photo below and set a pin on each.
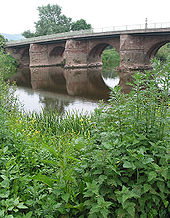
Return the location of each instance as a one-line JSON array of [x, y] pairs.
[[25, 58], [95, 54], [57, 51], [105, 56], [56, 56]]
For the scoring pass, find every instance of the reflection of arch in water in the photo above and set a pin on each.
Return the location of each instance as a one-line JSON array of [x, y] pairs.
[[86, 82]]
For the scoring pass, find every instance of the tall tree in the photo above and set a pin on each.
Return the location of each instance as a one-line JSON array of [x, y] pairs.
[[51, 21]]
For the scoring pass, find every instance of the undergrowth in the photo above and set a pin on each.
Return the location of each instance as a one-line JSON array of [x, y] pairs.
[[112, 163]]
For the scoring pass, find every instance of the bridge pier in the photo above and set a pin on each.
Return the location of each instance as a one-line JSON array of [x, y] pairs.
[[75, 54], [133, 57]]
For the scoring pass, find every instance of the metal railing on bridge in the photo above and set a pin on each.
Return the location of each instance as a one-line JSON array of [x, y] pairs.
[[92, 31], [133, 27]]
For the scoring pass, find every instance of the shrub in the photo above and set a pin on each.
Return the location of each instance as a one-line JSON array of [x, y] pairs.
[[125, 170], [8, 65]]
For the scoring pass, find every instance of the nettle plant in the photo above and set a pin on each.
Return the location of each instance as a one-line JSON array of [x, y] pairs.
[[125, 169]]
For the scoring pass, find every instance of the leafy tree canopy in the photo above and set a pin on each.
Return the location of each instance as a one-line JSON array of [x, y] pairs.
[[80, 25], [51, 21], [28, 34]]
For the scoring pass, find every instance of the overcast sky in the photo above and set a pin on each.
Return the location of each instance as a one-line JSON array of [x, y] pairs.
[[16, 16]]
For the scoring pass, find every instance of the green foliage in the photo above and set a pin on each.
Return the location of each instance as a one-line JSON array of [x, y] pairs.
[[51, 21], [2, 42], [80, 25], [110, 59], [28, 34], [8, 65], [113, 163], [128, 164]]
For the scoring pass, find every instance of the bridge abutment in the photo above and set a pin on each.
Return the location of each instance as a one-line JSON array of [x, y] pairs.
[[23, 75]]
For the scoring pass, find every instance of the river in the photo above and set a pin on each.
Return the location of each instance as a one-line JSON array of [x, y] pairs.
[[36, 100]]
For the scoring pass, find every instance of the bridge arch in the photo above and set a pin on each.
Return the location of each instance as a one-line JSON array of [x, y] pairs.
[[57, 51], [95, 54], [154, 49], [56, 55]]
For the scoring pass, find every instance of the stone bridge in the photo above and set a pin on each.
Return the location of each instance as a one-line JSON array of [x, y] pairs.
[[72, 62]]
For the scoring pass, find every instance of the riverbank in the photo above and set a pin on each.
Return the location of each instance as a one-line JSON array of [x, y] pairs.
[[111, 163]]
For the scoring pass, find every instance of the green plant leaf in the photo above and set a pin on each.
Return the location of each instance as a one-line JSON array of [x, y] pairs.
[[28, 215], [65, 197], [4, 193], [2, 212], [129, 165], [21, 206], [152, 175], [161, 186], [51, 150], [130, 207], [45, 179], [147, 160], [147, 187], [5, 183], [120, 213]]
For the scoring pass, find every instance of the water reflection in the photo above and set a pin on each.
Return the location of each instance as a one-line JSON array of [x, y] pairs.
[[33, 100], [48, 78], [95, 86], [111, 78]]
